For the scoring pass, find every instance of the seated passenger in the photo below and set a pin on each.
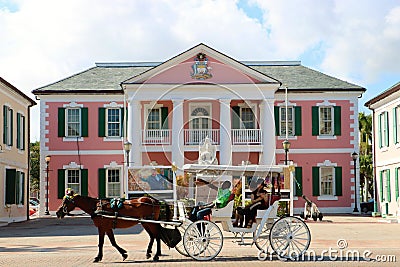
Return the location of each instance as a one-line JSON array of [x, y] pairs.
[[222, 199]]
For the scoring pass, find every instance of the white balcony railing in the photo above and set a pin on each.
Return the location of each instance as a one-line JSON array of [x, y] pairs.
[[156, 137], [195, 137], [246, 136]]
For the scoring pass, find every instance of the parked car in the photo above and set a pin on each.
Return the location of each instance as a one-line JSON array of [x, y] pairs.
[[367, 206], [33, 206]]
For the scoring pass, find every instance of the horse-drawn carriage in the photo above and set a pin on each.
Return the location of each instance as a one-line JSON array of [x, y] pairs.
[[202, 240]]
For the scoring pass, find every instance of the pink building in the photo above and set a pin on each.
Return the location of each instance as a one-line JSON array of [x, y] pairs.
[[166, 109]]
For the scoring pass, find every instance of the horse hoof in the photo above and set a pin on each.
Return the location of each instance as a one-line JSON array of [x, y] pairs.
[[155, 258], [97, 259], [124, 256], [148, 256]]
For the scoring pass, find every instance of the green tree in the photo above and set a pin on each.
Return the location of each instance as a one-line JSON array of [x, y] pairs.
[[366, 167], [34, 167]]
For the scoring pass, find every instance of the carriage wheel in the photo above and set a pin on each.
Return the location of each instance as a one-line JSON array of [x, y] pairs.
[[180, 247], [203, 240], [289, 237], [262, 242]]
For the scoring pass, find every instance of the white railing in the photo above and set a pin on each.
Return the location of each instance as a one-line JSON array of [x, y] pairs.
[[195, 137], [246, 136], [155, 137]]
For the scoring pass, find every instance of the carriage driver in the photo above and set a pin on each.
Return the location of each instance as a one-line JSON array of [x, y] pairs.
[[223, 197]]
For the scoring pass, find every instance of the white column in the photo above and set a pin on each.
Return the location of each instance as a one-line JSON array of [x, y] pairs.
[[268, 132], [135, 132], [177, 149], [225, 147]]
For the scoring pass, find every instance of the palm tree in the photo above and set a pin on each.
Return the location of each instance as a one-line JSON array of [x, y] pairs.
[[366, 167]]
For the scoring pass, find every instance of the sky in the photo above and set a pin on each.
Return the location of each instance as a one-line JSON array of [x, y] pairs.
[[43, 41]]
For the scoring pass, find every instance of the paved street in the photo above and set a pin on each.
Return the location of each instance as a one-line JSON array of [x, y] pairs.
[[73, 242]]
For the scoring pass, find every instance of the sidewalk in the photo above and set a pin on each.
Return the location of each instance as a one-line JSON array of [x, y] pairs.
[[72, 241]]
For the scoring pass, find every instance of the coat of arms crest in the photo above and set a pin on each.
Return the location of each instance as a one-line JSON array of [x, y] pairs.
[[201, 70]]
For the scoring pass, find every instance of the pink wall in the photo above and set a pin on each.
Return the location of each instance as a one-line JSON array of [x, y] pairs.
[[221, 73]]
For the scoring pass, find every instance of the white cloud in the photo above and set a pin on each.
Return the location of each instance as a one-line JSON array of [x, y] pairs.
[[46, 40]]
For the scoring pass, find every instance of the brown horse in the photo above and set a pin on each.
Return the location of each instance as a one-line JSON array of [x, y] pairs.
[[140, 208]]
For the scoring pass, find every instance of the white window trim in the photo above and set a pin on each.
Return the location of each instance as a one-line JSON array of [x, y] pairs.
[[120, 124], [253, 107], [66, 123], [9, 129], [146, 113], [114, 165], [327, 136], [22, 128], [205, 105], [382, 133], [328, 163], [113, 138], [293, 119]]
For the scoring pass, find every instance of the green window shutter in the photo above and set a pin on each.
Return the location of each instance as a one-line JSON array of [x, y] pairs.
[[10, 185], [236, 117], [61, 123], [395, 125], [381, 187], [338, 181], [4, 124], [396, 182], [389, 195], [164, 118], [18, 130], [84, 182], [102, 183], [23, 133], [337, 120], [12, 127], [23, 188], [298, 172], [277, 121], [315, 181], [315, 120], [85, 122], [61, 183], [122, 122], [102, 122], [297, 121], [380, 130], [17, 185], [386, 128]]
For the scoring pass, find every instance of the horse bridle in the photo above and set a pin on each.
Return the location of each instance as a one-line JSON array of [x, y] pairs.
[[69, 199]]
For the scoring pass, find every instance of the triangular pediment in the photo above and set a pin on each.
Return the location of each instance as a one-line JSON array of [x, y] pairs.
[[201, 64]]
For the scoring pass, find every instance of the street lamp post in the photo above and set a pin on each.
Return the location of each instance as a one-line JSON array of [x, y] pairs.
[[127, 148], [286, 146], [47, 160], [355, 156]]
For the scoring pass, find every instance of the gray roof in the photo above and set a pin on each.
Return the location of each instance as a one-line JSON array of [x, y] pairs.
[[107, 77]]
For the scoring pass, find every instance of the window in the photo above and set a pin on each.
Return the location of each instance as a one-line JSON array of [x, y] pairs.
[[113, 183], [383, 129], [385, 186], [154, 119], [396, 125], [73, 180], [247, 117], [326, 121], [73, 122], [15, 187], [72, 177], [20, 131], [294, 120], [7, 126], [327, 181], [111, 121], [290, 123], [114, 122]]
